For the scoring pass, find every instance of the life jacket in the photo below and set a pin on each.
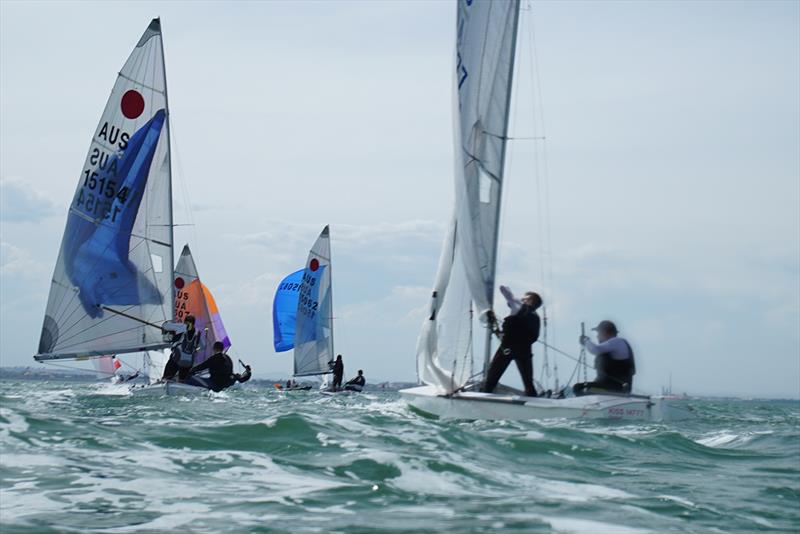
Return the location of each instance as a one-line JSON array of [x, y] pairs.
[[187, 347], [521, 329], [616, 373]]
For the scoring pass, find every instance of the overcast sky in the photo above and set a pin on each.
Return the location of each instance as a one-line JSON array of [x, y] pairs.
[[673, 164]]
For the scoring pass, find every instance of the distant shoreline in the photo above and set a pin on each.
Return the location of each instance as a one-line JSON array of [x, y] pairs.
[[35, 373]]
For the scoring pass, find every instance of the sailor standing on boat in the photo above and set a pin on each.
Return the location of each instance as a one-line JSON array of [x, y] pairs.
[[520, 331], [613, 361], [338, 373], [184, 346]]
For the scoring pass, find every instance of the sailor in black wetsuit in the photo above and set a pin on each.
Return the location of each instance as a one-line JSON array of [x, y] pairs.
[[338, 373], [357, 383], [184, 347], [613, 361], [520, 331], [220, 369]]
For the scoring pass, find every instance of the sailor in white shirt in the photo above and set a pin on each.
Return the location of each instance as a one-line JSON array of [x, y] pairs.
[[614, 361]]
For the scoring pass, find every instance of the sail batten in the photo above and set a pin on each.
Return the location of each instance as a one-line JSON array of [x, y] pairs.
[[117, 245]]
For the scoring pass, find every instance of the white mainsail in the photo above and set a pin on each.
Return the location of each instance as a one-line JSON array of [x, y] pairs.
[[113, 281], [313, 342], [485, 46]]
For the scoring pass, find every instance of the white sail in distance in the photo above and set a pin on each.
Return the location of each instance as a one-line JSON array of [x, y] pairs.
[[313, 342], [113, 282], [486, 34]]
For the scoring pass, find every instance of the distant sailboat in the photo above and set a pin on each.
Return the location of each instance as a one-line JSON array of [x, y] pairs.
[[303, 312], [486, 38], [113, 288]]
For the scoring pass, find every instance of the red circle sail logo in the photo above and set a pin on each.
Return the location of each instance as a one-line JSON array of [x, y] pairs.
[[314, 265], [179, 282], [132, 104]]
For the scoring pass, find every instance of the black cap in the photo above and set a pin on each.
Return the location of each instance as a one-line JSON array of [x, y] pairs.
[[606, 326]]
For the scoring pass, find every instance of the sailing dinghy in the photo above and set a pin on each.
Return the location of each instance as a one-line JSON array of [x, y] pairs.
[[113, 287], [302, 314], [192, 297], [465, 281]]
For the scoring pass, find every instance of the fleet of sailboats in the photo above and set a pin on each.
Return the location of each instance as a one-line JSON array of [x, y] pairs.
[[116, 290]]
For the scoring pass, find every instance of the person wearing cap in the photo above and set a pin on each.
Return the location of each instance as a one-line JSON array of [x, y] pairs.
[[520, 331], [184, 346], [613, 361]]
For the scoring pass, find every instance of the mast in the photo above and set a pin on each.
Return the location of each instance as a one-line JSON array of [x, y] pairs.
[[488, 344], [171, 221], [330, 288]]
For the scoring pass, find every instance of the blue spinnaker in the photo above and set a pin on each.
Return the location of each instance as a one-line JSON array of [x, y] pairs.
[[101, 218], [284, 311]]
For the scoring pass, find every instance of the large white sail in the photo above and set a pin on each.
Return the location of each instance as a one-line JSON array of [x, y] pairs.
[[486, 33], [313, 342], [113, 281]]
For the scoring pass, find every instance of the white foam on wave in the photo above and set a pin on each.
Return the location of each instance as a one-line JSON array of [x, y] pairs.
[[26, 461], [112, 390], [16, 423], [420, 479], [567, 525], [724, 438], [678, 500], [582, 492], [269, 482]]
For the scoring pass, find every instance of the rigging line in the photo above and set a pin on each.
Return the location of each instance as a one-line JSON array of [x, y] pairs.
[[98, 222], [184, 188], [117, 333], [97, 323], [568, 355], [585, 364], [545, 167]]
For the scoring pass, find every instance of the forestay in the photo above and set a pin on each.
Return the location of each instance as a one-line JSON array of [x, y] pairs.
[[116, 253], [194, 298], [485, 45], [313, 343]]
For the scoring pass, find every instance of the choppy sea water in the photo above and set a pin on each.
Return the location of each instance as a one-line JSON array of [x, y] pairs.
[[75, 458]]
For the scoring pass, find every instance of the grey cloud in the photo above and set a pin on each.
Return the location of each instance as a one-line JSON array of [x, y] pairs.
[[20, 201]]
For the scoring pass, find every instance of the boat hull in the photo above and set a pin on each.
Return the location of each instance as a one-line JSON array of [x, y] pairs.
[[474, 405]]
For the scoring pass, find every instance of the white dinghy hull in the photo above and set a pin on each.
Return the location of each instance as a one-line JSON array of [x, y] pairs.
[[473, 405]]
